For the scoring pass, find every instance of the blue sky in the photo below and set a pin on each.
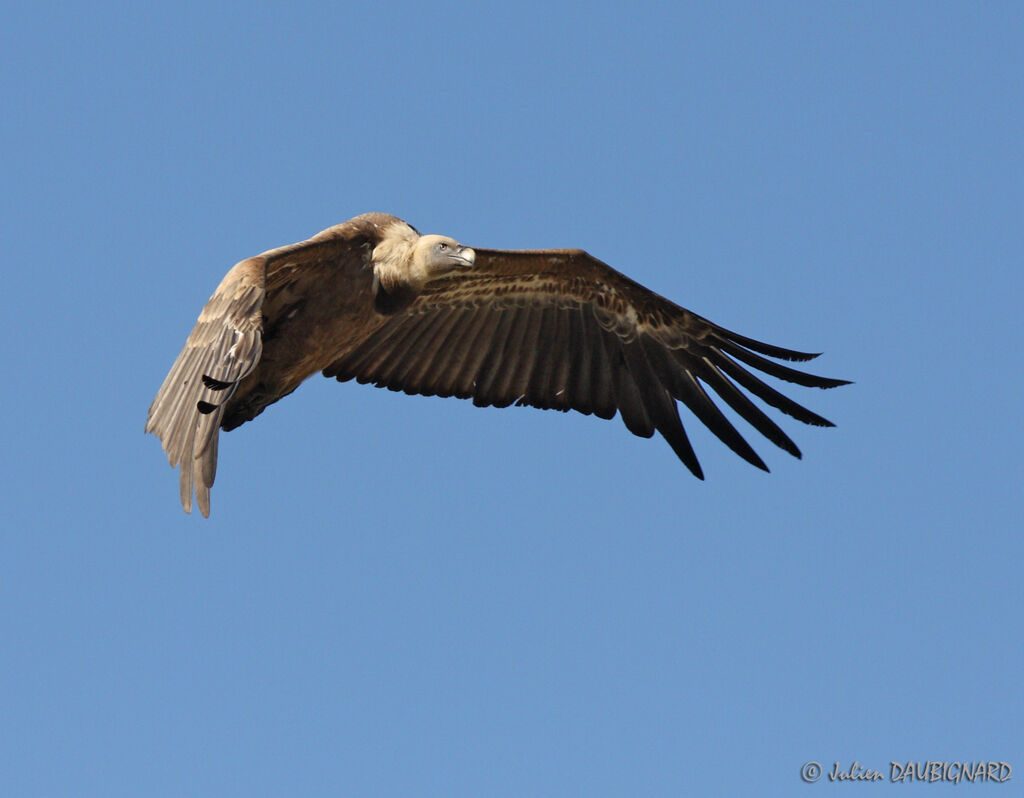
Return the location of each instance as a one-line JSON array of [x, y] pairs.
[[410, 596]]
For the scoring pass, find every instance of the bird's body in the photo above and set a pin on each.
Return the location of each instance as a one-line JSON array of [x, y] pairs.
[[372, 299]]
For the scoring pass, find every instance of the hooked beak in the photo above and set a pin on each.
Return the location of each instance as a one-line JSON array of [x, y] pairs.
[[466, 256]]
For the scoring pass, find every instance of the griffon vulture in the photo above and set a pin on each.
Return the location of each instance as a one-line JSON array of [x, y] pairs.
[[373, 300]]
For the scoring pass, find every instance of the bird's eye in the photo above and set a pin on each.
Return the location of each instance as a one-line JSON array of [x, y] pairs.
[[442, 246]]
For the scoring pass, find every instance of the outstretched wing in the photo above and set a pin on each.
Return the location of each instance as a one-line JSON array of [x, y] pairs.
[[293, 289], [223, 348], [559, 329]]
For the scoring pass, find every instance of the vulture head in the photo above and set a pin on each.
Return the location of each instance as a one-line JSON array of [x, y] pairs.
[[404, 262], [435, 256]]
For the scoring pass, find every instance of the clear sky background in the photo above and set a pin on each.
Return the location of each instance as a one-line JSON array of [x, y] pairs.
[[410, 596]]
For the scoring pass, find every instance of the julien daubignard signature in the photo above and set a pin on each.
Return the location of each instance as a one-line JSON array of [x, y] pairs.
[[902, 772]]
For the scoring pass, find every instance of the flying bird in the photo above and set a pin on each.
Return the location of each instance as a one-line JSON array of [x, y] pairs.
[[373, 300]]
